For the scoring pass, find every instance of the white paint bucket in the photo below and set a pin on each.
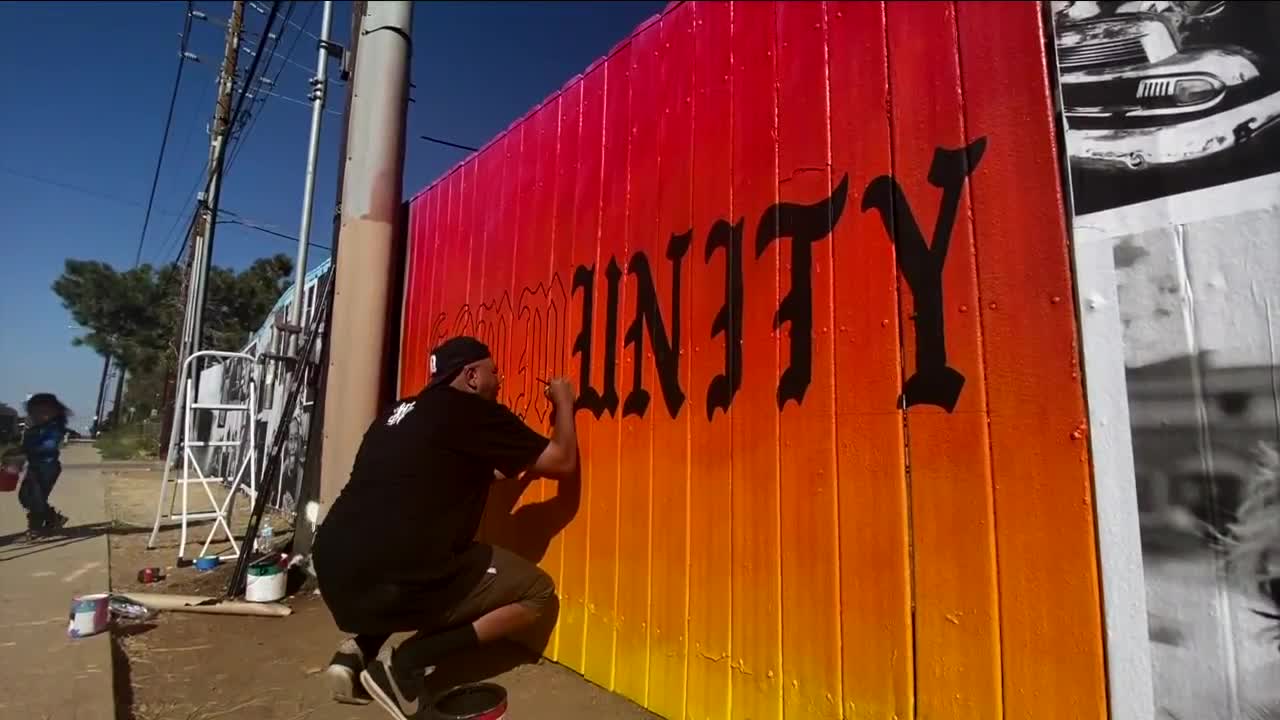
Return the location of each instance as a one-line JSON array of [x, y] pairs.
[[265, 584], [90, 615]]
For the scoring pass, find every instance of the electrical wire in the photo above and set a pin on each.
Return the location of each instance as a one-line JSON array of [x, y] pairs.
[[300, 28], [447, 143], [241, 133], [80, 189], [236, 113], [257, 113], [237, 219], [164, 138]]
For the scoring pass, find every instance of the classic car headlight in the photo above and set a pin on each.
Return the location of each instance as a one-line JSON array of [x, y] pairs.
[[1180, 89]]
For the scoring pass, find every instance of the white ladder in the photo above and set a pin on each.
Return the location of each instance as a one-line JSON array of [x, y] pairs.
[[245, 472]]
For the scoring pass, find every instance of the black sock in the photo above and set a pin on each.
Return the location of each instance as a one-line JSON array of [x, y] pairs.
[[370, 645], [422, 650]]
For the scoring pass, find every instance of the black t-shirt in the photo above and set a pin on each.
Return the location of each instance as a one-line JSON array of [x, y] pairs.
[[421, 479]]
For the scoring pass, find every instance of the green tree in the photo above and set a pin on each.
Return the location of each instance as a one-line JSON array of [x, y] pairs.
[[135, 316]]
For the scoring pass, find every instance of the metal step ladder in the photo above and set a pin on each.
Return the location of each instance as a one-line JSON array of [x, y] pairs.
[[245, 465]]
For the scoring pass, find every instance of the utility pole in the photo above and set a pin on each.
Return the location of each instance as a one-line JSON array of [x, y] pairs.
[[200, 242], [202, 249], [304, 533], [371, 199], [102, 393]]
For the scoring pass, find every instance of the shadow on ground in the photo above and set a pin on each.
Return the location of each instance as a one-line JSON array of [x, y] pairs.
[[60, 538]]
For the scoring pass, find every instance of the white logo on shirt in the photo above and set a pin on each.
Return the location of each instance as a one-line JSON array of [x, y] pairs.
[[399, 413]]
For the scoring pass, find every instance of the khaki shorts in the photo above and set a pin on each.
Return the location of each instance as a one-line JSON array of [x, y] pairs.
[[487, 578], [509, 579]]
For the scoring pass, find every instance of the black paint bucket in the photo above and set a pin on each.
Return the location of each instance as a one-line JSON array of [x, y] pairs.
[[475, 701]]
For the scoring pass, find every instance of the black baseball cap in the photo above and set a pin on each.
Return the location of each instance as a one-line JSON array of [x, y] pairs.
[[450, 356]]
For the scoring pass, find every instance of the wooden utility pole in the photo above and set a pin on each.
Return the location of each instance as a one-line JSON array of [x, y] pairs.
[[220, 133], [200, 241]]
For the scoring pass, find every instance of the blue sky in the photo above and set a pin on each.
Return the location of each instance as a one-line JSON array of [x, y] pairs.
[[85, 92]]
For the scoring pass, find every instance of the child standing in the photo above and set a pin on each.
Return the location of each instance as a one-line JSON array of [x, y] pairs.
[[42, 446]]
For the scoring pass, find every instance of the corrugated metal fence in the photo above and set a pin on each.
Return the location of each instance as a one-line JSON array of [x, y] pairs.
[[807, 264]]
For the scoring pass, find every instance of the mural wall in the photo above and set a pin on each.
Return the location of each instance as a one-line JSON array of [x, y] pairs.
[[807, 265], [1171, 110], [230, 383]]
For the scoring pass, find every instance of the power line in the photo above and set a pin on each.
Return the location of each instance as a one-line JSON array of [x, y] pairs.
[[296, 26], [446, 143], [164, 138], [79, 189], [253, 68], [294, 100], [240, 137], [255, 114], [236, 219]]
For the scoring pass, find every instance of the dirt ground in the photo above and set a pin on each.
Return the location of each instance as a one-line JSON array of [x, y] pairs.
[[181, 666]]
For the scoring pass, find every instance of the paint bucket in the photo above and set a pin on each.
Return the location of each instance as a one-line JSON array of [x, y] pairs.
[[475, 701], [9, 477], [146, 576], [205, 564], [265, 583], [90, 615]]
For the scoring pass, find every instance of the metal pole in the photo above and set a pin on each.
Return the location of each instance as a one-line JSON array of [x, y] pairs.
[[319, 89], [304, 532], [371, 201]]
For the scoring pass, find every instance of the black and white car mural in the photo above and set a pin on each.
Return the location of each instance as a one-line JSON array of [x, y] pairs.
[[1150, 86]]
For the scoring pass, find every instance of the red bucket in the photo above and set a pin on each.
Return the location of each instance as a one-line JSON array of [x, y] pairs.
[[9, 477]]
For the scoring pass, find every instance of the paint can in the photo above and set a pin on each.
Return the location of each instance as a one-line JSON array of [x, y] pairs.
[[205, 564], [90, 615], [265, 583], [10, 475], [474, 701], [146, 576]]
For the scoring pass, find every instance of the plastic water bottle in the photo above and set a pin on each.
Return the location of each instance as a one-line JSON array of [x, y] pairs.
[[265, 536]]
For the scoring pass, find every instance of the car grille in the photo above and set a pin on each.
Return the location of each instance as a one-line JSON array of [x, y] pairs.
[[1102, 53]]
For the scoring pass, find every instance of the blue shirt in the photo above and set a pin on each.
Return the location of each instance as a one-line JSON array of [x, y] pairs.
[[43, 443]]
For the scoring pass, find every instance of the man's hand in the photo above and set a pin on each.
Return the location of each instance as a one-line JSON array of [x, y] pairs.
[[560, 392], [561, 454]]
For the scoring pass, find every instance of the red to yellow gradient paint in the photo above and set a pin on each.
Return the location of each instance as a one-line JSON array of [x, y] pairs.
[[806, 263]]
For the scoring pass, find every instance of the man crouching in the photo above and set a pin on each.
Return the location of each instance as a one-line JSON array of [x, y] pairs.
[[397, 550]]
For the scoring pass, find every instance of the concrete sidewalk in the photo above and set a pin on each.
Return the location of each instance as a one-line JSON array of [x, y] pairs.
[[46, 675]]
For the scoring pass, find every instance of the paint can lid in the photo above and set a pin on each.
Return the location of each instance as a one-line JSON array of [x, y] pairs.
[[474, 701], [264, 570]]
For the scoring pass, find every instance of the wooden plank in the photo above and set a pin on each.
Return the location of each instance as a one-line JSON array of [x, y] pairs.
[[875, 572], [439, 320], [416, 292], [636, 372], [456, 256], [1054, 665], [712, 280], [957, 607], [431, 271], [550, 336], [561, 499], [512, 502], [602, 589], [802, 242], [670, 415], [757, 625], [584, 364], [498, 318]]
